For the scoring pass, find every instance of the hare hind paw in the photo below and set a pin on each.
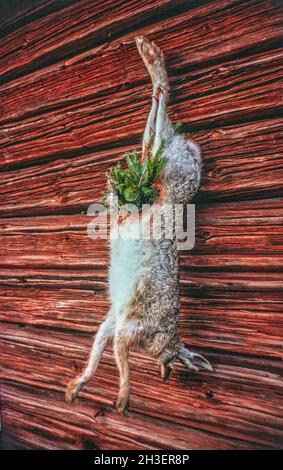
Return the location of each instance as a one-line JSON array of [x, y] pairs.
[[122, 405], [193, 360], [72, 390], [154, 61]]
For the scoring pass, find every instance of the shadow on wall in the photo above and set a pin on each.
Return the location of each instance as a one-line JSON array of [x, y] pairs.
[[8, 444]]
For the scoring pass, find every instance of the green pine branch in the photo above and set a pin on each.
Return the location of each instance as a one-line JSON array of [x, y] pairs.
[[134, 183], [179, 129]]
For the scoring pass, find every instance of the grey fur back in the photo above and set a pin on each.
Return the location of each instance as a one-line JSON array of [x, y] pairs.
[[150, 319]]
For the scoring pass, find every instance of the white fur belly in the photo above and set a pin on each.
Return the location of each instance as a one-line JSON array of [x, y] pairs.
[[128, 261]]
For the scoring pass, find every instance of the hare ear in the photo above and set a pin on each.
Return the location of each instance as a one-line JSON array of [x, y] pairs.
[[165, 371], [192, 360]]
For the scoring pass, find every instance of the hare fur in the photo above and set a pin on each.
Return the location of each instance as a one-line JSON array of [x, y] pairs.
[[143, 274]]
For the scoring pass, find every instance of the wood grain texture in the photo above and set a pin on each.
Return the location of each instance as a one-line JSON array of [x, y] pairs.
[[36, 419], [237, 383], [16, 14], [82, 25], [250, 327], [91, 125], [74, 97], [240, 161]]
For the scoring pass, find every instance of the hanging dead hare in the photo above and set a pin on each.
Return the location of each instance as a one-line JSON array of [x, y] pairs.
[[143, 275]]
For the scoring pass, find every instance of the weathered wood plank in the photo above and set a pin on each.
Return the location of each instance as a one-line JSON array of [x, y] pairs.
[[246, 391], [237, 325], [74, 97], [183, 39], [62, 241], [233, 324], [211, 283], [82, 278], [82, 429], [16, 14], [233, 262], [83, 26], [239, 161], [92, 124], [79, 81]]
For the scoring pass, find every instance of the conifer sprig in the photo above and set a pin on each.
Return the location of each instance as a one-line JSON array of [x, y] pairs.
[[134, 183], [179, 129]]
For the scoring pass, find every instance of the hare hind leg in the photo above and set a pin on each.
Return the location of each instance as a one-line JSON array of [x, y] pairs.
[[121, 350], [105, 331], [154, 62], [150, 126]]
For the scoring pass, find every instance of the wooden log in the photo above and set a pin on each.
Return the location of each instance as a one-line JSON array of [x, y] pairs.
[[103, 429], [80, 82], [249, 241], [36, 424], [239, 227], [83, 278], [93, 123], [234, 262], [180, 36], [47, 41], [17, 14], [223, 283], [237, 324], [235, 160], [239, 388], [71, 105], [212, 282], [233, 325]]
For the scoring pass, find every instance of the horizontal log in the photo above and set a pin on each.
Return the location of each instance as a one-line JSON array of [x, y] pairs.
[[70, 309], [74, 97], [233, 325], [82, 428], [80, 82], [46, 41], [62, 241], [240, 227], [239, 161], [212, 282], [233, 262], [17, 14], [237, 325], [85, 279], [222, 229], [257, 212], [91, 123], [184, 42], [245, 390], [30, 424]]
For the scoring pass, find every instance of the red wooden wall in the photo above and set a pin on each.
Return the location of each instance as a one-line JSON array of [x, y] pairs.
[[74, 96]]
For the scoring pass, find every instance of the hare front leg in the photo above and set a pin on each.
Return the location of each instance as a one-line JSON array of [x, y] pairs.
[[121, 350], [105, 331]]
